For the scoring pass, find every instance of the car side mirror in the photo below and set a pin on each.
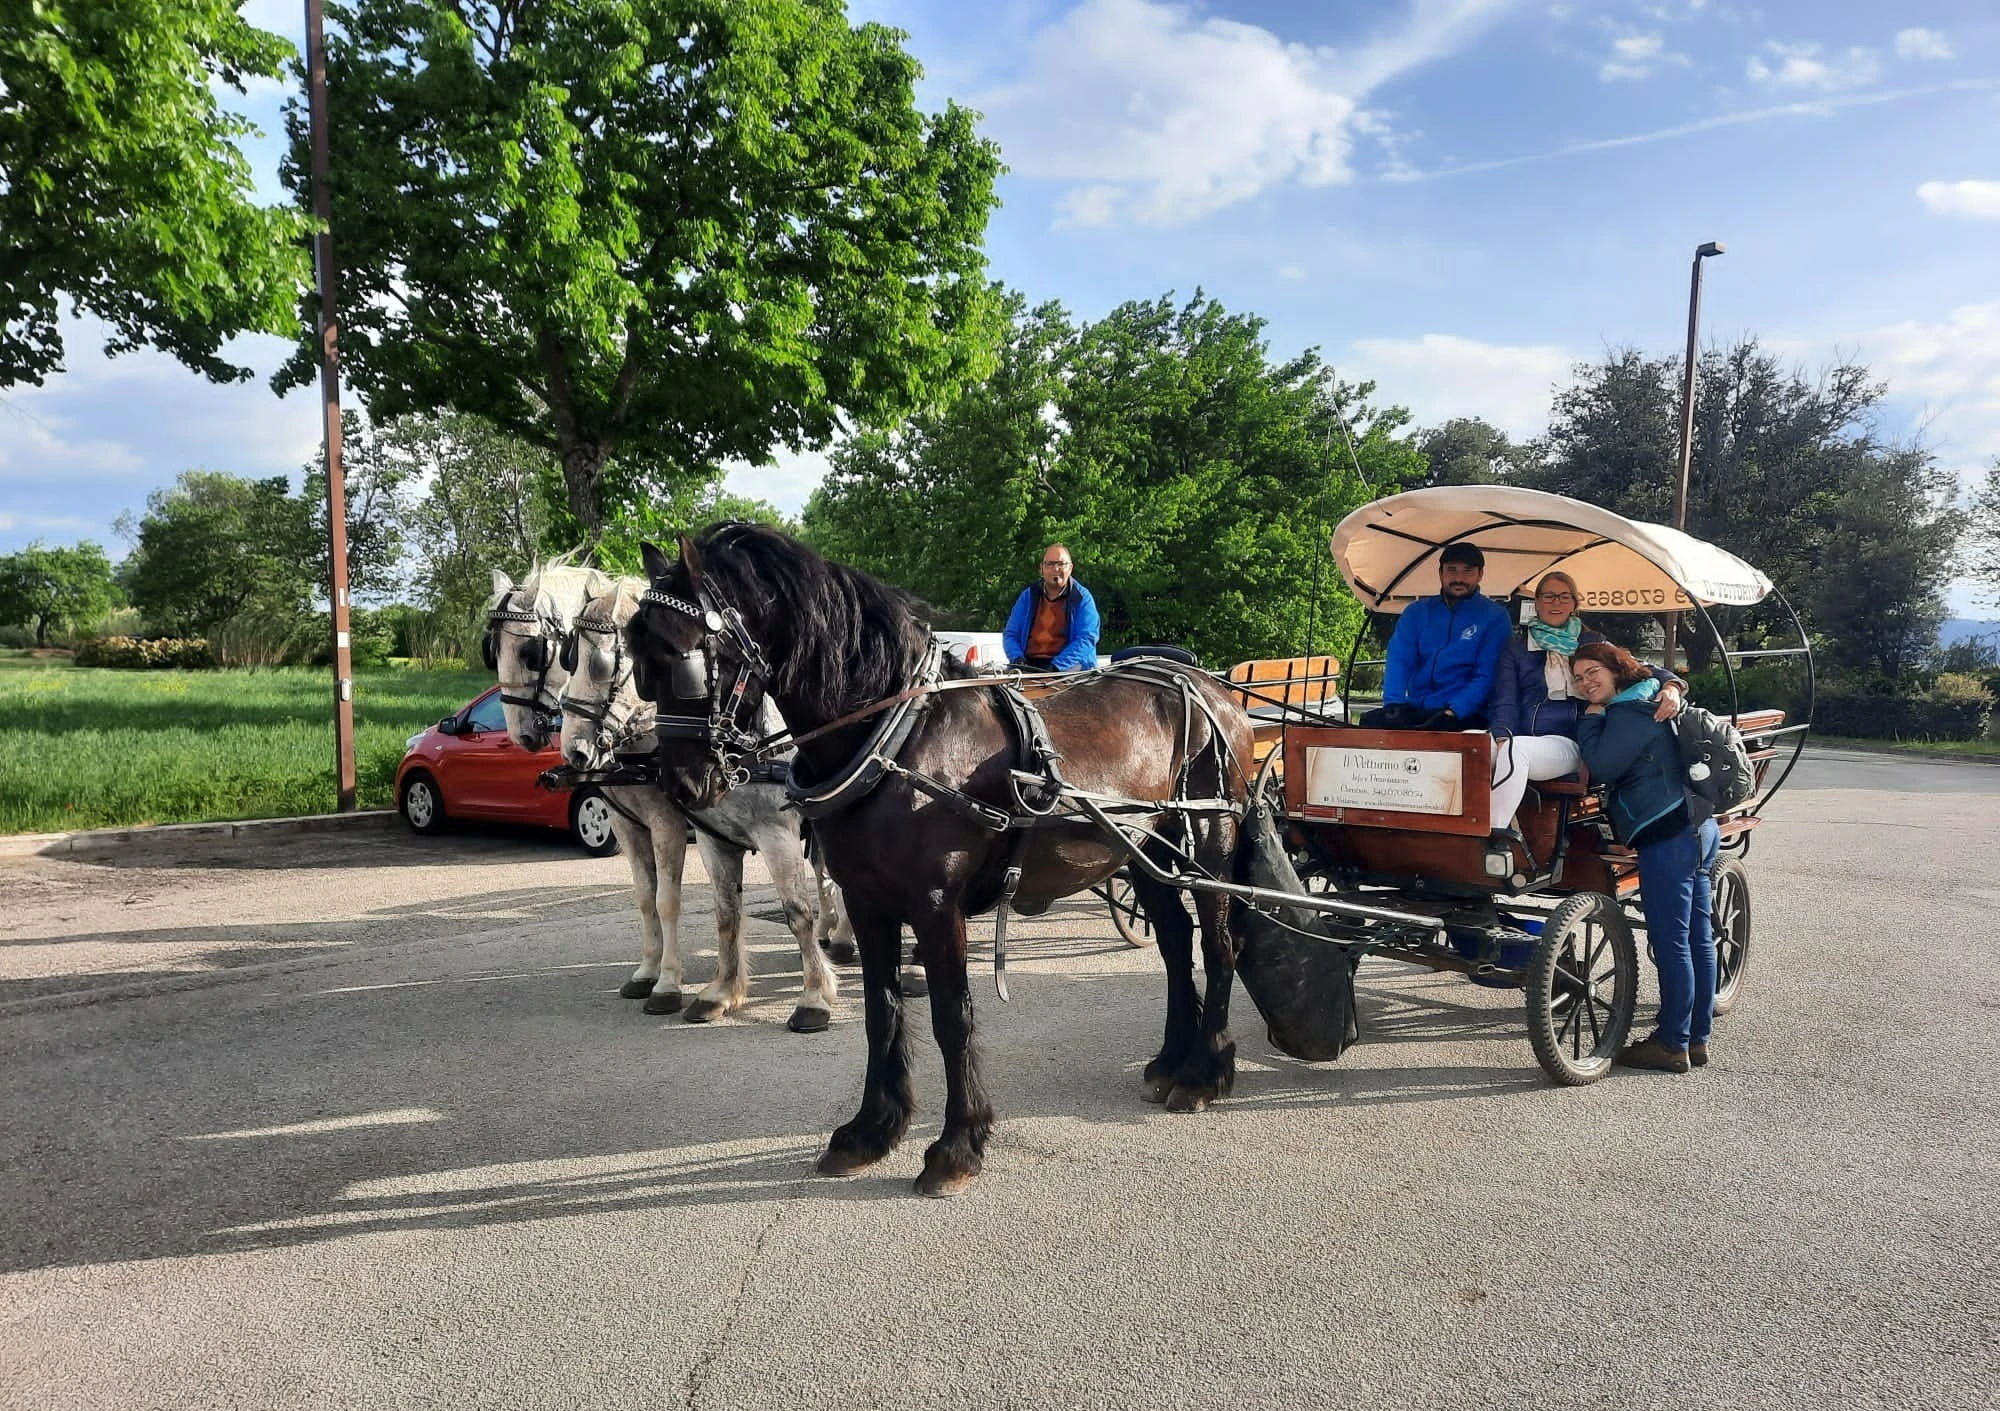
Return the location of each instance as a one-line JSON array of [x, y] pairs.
[[448, 726]]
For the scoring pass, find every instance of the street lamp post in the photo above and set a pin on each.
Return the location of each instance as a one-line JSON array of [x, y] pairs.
[[1713, 247]]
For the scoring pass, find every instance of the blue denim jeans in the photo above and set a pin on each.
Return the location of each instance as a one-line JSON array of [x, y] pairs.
[[1674, 892]]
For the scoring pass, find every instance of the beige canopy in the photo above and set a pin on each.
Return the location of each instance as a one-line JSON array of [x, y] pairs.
[[1388, 549]]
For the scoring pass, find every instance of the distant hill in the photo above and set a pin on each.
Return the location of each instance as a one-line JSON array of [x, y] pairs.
[[1957, 629]]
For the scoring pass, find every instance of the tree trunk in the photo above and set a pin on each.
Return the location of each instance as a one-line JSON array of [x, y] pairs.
[[583, 481], [41, 631]]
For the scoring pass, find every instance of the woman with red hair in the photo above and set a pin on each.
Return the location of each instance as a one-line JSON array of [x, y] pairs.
[[1655, 814]]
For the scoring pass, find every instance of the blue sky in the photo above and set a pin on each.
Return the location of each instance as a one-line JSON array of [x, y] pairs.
[[1455, 198]]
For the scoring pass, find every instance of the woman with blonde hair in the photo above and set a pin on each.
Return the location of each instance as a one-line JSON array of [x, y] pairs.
[[1534, 710]]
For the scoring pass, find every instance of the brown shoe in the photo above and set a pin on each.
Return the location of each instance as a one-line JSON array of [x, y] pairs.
[[1651, 1053], [1698, 1055]]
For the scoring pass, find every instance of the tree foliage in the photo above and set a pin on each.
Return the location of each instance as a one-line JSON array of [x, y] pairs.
[[121, 186], [1983, 543], [693, 230], [212, 546], [56, 587], [1194, 481], [380, 486]]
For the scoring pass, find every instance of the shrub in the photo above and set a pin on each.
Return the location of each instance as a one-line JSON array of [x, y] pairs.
[[1757, 688], [147, 653], [1872, 716], [370, 641], [12, 636]]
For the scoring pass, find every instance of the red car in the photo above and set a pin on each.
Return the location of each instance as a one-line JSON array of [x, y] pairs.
[[466, 767]]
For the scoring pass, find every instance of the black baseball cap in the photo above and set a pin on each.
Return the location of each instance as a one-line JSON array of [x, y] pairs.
[[1467, 554]]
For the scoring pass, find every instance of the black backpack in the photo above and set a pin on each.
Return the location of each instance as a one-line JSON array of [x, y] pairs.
[[1712, 752]]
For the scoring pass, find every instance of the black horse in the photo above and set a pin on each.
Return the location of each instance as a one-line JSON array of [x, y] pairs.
[[748, 611]]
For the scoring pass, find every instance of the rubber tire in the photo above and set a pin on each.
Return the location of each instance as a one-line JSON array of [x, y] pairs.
[[419, 781], [1545, 1031], [1128, 918], [1729, 882], [590, 816]]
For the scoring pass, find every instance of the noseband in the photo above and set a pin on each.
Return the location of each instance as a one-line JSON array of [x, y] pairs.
[[692, 677], [544, 705]]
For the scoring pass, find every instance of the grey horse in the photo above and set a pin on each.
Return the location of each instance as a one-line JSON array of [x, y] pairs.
[[530, 625]]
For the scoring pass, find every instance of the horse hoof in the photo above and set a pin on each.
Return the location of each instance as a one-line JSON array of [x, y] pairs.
[[1156, 1089], [946, 1173], [1187, 1099], [807, 1020], [841, 952], [841, 1161], [943, 1186], [914, 985], [662, 1002], [706, 1011], [635, 989]]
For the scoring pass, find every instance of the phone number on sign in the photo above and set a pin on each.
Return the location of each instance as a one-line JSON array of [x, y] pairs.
[[1635, 598]]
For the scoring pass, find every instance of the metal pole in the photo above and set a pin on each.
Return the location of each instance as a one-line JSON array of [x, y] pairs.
[[329, 386], [1687, 423]]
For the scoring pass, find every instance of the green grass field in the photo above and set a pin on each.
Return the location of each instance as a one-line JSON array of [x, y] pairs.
[[84, 748]]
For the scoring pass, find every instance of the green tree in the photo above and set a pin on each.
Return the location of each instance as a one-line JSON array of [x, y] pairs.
[[56, 587], [484, 506], [676, 231], [212, 546], [1466, 451], [1983, 542], [1194, 481], [381, 489], [122, 187]]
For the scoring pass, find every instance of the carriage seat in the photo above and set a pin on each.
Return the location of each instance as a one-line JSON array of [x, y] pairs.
[[1281, 688]]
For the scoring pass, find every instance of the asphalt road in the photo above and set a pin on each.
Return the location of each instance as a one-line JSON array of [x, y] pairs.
[[362, 1123]]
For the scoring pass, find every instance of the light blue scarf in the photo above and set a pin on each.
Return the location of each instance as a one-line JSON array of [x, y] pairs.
[[1646, 690], [1560, 640]]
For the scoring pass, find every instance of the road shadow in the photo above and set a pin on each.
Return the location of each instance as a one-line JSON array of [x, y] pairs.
[[467, 844], [303, 1109]]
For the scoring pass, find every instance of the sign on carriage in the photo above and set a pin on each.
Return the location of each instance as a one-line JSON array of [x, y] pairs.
[[1407, 781]]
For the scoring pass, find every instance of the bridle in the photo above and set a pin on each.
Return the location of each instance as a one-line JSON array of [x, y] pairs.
[[612, 729], [692, 677], [537, 651]]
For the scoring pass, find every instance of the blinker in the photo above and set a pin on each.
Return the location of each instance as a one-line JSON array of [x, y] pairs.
[[687, 676]]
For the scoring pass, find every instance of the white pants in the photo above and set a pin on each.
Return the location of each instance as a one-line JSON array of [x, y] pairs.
[[1525, 757]]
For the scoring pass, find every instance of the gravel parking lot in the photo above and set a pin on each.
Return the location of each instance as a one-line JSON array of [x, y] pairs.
[[360, 1121]]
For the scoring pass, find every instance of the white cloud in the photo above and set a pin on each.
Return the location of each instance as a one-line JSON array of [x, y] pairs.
[[1291, 273], [787, 483], [1954, 366], [44, 446], [1638, 55], [1978, 199], [1922, 44], [1160, 114], [1808, 66], [1440, 376], [53, 523]]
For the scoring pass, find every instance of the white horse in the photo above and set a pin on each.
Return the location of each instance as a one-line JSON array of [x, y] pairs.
[[527, 628]]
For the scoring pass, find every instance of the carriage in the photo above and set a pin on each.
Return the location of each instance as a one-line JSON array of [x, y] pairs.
[[937, 795], [1388, 844]]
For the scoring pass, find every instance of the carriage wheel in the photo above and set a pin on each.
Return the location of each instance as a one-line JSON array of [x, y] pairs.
[[1127, 915], [1583, 984], [1730, 913]]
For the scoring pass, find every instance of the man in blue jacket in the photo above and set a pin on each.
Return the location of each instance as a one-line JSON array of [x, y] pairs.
[[1054, 623], [1444, 652]]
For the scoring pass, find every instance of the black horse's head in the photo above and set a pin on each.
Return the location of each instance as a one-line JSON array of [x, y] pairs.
[[697, 660]]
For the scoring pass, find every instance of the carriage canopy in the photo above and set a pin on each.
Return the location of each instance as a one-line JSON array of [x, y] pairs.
[[1388, 550]]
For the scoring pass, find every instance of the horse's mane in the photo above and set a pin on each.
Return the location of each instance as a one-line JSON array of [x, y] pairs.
[[616, 601], [566, 585], [838, 638]]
